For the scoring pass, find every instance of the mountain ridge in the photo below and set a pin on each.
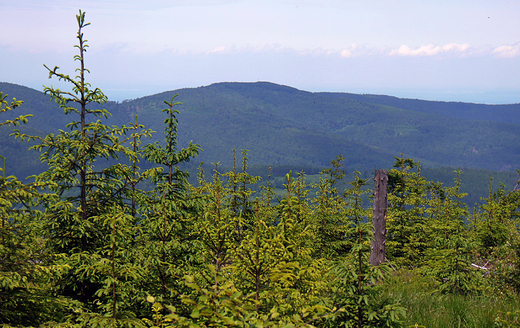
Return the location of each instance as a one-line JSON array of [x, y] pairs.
[[282, 125]]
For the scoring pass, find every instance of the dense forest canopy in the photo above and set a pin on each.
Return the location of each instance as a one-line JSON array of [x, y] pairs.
[[113, 233]]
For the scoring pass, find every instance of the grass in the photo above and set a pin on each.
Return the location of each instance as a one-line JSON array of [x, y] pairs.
[[428, 308]]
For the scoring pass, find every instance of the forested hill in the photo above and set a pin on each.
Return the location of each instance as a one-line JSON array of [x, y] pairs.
[[469, 111], [281, 125]]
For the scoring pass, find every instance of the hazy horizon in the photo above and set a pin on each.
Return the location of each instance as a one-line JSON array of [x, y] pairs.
[[445, 50], [430, 95]]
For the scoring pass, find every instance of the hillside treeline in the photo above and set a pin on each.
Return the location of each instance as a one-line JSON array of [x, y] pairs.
[[91, 244]]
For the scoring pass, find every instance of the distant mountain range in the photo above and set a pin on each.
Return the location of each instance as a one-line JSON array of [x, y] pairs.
[[281, 125]]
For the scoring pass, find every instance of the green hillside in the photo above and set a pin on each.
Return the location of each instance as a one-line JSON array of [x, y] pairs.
[[281, 125], [469, 111]]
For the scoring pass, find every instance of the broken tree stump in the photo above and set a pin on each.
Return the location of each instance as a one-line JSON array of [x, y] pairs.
[[377, 247]]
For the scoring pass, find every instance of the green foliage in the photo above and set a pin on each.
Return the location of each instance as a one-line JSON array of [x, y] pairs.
[[356, 289], [26, 292], [96, 241], [406, 216], [495, 226], [85, 219], [168, 155], [5, 106], [357, 284], [450, 253], [330, 221], [508, 319]]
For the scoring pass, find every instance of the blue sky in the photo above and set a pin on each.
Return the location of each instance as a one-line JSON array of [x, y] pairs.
[[440, 50]]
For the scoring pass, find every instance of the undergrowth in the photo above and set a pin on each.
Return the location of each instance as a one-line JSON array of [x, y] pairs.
[[427, 307]]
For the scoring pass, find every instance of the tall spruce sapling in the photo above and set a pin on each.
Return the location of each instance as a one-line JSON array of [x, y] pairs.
[[221, 225], [169, 213], [260, 251], [72, 155], [240, 194], [296, 284], [303, 213], [330, 221], [335, 176], [449, 254], [168, 155], [85, 190], [213, 298], [217, 227], [406, 214]]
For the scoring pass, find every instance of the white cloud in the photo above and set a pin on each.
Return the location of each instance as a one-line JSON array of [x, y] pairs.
[[351, 51], [274, 49], [455, 46], [219, 49], [346, 53], [429, 50], [508, 51]]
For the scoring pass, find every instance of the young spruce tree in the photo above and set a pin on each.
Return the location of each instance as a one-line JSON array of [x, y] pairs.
[[86, 214]]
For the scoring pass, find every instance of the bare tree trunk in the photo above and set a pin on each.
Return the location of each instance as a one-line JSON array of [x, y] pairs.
[[377, 253]]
